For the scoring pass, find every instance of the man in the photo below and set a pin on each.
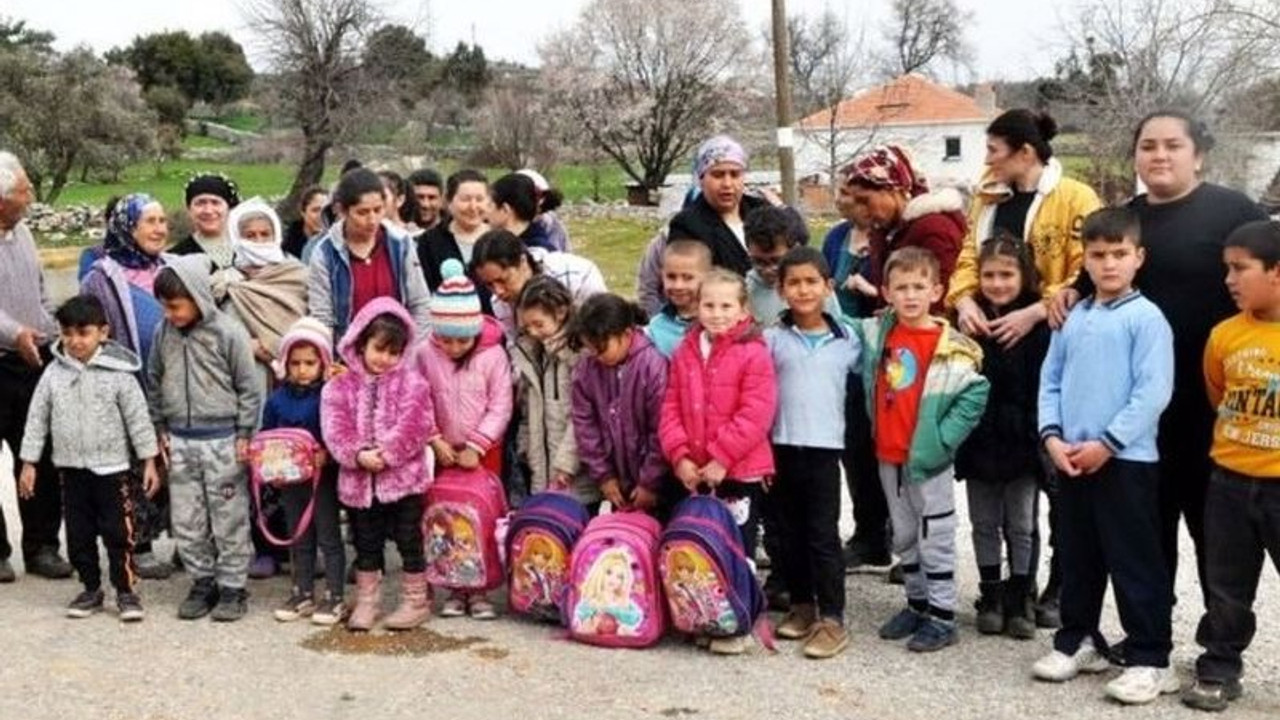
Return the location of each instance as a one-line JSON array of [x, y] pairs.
[[26, 328], [428, 188]]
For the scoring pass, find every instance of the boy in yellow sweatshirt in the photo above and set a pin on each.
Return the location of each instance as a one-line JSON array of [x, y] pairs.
[[1242, 506]]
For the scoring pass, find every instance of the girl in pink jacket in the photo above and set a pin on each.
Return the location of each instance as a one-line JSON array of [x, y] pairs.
[[467, 367], [720, 401], [376, 419]]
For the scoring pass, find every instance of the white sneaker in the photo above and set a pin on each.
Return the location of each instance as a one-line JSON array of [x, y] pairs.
[[1141, 685], [1058, 666]]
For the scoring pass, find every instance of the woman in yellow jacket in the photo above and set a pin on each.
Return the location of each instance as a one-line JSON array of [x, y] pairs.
[[1024, 192]]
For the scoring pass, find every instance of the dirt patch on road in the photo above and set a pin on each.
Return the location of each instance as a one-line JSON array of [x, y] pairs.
[[412, 643]]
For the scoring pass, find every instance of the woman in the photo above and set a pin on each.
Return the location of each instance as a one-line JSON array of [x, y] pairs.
[[360, 258], [1184, 222], [715, 217], [514, 208], [310, 223], [847, 249], [505, 265], [549, 199], [467, 206], [402, 206], [1024, 193], [122, 280], [209, 196], [902, 212]]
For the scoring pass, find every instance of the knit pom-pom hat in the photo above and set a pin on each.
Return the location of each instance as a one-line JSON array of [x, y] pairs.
[[305, 331], [455, 307]]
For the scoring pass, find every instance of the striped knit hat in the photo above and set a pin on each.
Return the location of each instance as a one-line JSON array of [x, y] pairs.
[[455, 307], [305, 331]]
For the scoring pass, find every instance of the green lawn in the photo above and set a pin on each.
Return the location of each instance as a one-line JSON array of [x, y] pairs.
[[616, 245], [167, 187], [203, 142]]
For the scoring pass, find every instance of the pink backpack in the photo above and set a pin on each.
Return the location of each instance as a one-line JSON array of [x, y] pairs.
[[283, 457], [615, 593], [459, 529]]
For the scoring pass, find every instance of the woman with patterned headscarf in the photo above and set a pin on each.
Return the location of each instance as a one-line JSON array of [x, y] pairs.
[[895, 199]]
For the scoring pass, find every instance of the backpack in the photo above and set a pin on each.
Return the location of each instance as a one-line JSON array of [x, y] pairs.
[[710, 587], [614, 598], [459, 529], [540, 540], [281, 458]]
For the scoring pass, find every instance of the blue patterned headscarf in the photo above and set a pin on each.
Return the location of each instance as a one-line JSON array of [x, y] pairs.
[[119, 244], [718, 149]]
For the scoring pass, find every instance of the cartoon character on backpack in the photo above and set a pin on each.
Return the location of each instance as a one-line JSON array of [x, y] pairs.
[[696, 596], [605, 606], [540, 567], [438, 543], [464, 555]]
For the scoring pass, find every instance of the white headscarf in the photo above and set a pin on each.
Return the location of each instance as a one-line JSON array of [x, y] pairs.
[[253, 254]]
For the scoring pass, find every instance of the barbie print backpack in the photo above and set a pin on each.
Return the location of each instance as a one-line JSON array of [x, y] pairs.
[[459, 529], [540, 541], [614, 597], [280, 458]]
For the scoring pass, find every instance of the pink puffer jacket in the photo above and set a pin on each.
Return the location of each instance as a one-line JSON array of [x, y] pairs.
[[721, 408], [391, 411], [473, 398]]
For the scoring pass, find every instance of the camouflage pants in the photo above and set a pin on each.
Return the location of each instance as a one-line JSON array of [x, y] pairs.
[[209, 504]]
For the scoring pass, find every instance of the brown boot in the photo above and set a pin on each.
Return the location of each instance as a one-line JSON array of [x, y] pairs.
[[415, 603], [368, 600], [798, 623], [828, 639]]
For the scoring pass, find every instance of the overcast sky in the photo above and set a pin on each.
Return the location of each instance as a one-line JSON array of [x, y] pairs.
[[1015, 39]]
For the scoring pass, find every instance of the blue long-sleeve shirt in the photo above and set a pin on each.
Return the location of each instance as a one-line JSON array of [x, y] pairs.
[[1108, 376], [812, 374], [292, 406]]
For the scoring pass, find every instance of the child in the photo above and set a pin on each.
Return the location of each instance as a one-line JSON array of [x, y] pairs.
[[376, 419], [1001, 459], [1242, 513], [770, 232], [684, 264], [544, 366], [617, 402], [205, 395], [305, 361], [89, 400], [469, 373], [718, 410], [813, 354], [924, 396], [1104, 384]]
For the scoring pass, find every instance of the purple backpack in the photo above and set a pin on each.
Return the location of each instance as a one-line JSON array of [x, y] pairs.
[[710, 587], [540, 541], [614, 598]]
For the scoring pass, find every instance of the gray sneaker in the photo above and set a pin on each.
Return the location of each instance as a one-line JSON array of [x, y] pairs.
[[200, 600], [298, 606], [330, 611], [86, 604], [233, 604]]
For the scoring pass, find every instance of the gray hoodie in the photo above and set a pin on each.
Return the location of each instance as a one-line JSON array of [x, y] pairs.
[[201, 380], [95, 411]]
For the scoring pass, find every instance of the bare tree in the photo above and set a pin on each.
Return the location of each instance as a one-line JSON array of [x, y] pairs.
[[923, 32], [514, 128], [645, 80], [315, 46]]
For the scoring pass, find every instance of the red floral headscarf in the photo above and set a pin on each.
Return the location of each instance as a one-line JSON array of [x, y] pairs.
[[887, 167]]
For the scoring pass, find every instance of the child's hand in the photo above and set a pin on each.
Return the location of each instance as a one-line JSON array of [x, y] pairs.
[[1089, 456], [162, 440], [371, 460], [561, 481], [27, 481], [713, 473], [612, 491], [468, 459], [445, 456], [643, 499], [1060, 453], [150, 478], [335, 369], [687, 473], [242, 450]]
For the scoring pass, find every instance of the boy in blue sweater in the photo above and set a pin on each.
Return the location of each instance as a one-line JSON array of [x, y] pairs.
[[685, 261], [1107, 378]]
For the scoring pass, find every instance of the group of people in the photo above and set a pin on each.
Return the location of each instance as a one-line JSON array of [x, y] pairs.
[[1119, 362]]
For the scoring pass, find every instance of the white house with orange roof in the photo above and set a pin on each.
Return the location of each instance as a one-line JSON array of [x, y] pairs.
[[944, 129]]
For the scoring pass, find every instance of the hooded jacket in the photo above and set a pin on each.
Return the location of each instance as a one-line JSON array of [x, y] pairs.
[[472, 398], [95, 411], [721, 408], [934, 221], [391, 411], [544, 376], [954, 397], [1052, 229], [616, 411], [202, 381]]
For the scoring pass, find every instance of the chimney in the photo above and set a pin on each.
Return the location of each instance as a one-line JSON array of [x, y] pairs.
[[985, 95]]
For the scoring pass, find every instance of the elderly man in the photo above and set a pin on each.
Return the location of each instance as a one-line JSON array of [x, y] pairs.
[[26, 328]]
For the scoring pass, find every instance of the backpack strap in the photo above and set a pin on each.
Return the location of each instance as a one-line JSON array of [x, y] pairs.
[[763, 631], [304, 522]]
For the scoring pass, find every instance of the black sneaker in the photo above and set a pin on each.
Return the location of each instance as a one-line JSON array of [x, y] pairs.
[[298, 606], [86, 604], [233, 604], [895, 576], [130, 607], [200, 600], [47, 563], [859, 555], [1212, 696]]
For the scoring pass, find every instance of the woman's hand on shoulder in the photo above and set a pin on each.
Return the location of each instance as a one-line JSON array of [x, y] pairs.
[[1060, 306]]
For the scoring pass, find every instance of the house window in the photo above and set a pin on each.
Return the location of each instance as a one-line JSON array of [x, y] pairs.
[[952, 148]]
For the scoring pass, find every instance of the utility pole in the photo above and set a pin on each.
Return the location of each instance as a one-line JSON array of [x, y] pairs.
[[782, 90]]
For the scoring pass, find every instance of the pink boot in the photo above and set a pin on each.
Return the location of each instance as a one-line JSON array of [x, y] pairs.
[[368, 600], [415, 603]]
